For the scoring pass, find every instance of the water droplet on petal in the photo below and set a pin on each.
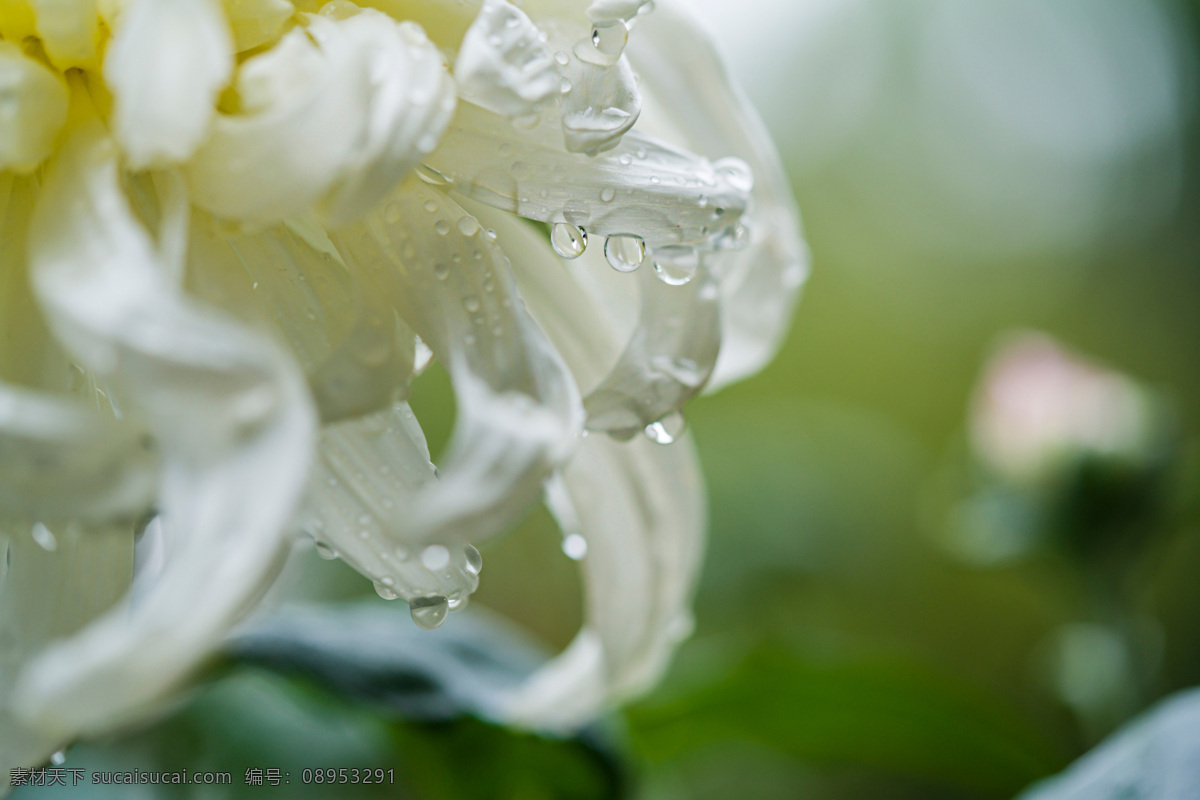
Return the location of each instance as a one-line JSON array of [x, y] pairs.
[[429, 612], [432, 176], [676, 266], [736, 172], [441, 271], [325, 551], [474, 560], [385, 591], [431, 206], [44, 538], [458, 603], [609, 38], [667, 429], [442, 227], [58, 758], [468, 226], [625, 253], [607, 194], [568, 240], [435, 557], [471, 304], [575, 547]]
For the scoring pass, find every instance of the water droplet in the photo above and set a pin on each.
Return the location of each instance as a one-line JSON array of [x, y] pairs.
[[441, 271], [575, 547], [325, 551], [435, 557], [667, 429], [607, 194], [568, 240], [429, 612], [432, 176], [385, 591], [609, 38], [676, 266], [565, 87], [468, 226], [442, 227], [625, 253], [562, 58], [474, 560], [44, 538], [58, 758], [471, 303], [736, 172], [401, 553], [458, 602], [431, 206]]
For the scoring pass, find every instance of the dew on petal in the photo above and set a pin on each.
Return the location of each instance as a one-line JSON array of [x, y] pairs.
[[431, 176], [474, 560], [44, 538], [666, 430], [385, 591], [429, 612], [625, 253], [569, 241], [435, 557], [575, 547], [325, 551]]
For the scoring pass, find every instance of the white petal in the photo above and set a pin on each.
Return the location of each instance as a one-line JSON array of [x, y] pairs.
[[644, 187], [640, 507], [685, 81], [502, 64], [59, 461], [358, 355], [33, 112], [257, 22], [48, 594], [332, 116], [666, 357], [230, 412], [166, 64], [602, 102], [69, 30], [519, 411], [370, 473]]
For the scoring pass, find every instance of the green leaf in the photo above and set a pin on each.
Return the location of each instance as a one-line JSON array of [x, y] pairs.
[[878, 714]]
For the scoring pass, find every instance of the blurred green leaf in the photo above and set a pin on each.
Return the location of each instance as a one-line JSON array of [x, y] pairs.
[[873, 713]]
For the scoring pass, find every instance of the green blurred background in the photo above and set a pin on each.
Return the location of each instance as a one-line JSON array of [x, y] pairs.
[[965, 170]]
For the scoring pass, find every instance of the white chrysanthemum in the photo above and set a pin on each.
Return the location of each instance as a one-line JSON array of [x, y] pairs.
[[231, 235]]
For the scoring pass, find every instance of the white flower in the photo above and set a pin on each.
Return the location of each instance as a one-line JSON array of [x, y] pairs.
[[225, 226]]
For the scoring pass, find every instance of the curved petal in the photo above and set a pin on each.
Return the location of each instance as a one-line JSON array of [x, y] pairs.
[[230, 412], [502, 64], [640, 508], [370, 472], [34, 110], [638, 505], [59, 461], [332, 117], [644, 187], [50, 588], [358, 355], [665, 360], [519, 410], [69, 30], [257, 22], [165, 65], [685, 81]]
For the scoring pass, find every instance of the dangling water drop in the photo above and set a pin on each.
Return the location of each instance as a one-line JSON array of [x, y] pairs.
[[458, 602], [575, 547], [667, 429], [676, 265], [625, 253], [474, 560], [325, 551], [429, 612], [568, 240], [385, 591]]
